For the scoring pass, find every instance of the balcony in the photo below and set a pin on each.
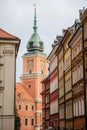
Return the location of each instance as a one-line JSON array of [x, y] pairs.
[[33, 75]]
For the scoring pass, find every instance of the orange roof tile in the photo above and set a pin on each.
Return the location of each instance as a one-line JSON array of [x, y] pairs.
[[4, 34]]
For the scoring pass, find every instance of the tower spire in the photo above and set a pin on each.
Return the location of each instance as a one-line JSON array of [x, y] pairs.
[[35, 21], [35, 43]]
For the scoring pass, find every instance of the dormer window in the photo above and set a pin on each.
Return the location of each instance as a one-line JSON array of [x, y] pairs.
[[77, 24], [31, 44], [41, 44]]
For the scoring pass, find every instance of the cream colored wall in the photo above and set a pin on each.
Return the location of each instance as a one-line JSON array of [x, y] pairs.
[[7, 52], [9, 60]]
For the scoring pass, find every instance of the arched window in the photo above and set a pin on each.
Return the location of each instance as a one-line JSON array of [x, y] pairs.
[[41, 44], [79, 107], [74, 107], [32, 107], [26, 107], [82, 106], [81, 69], [26, 121], [31, 44], [19, 106], [32, 122], [78, 72]]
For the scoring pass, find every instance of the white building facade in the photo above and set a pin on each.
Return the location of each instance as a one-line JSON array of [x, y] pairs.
[[9, 45]]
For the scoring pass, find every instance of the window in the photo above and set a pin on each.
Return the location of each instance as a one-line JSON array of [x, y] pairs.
[[32, 122], [77, 110], [29, 86], [74, 106], [81, 69], [19, 106], [26, 121], [48, 98], [78, 107], [82, 101], [31, 44], [41, 44], [41, 71], [32, 107], [22, 95], [26, 107], [75, 52], [30, 71]]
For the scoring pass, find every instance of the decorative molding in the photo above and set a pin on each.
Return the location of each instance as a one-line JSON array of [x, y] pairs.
[[8, 52], [38, 100]]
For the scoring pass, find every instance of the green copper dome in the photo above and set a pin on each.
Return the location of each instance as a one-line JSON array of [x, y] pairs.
[[35, 43]]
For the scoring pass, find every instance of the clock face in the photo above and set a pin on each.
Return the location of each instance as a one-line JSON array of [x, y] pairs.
[[30, 63], [42, 64]]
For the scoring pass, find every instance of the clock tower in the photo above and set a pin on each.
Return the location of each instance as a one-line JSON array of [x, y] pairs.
[[35, 69]]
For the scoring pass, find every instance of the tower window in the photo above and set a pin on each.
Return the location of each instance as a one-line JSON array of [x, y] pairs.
[[26, 107], [22, 95], [32, 121], [20, 107], [32, 107], [41, 71], [29, 86], [26, 121], [41, 44], [30, 71], [31, 44]]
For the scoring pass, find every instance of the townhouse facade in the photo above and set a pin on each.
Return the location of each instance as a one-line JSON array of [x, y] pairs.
[[50, 91], [70, 70], [78, 52], [45, 103], [64, 80], [53, 77], [71, 55]]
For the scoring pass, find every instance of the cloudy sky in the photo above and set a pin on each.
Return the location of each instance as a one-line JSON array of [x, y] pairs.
[[16, 17]]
